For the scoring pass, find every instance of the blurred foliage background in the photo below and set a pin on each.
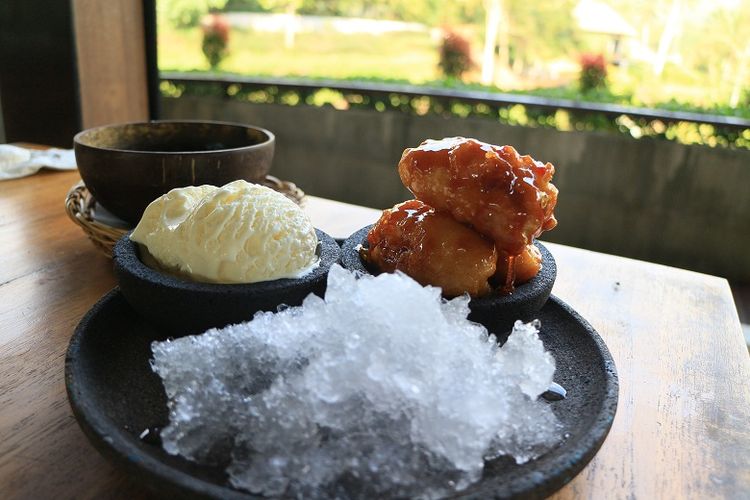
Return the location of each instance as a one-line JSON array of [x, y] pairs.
[[691, 55]]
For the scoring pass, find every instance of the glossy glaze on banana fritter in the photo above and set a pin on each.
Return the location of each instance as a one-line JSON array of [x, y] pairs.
[[432, 248], [504, 196]]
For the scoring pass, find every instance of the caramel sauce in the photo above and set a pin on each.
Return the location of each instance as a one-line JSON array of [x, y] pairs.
[[524, 266], [503, 195], [510, 275], [432, 248]]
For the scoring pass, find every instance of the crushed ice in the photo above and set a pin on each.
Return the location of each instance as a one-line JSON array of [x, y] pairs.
[[383, 389]]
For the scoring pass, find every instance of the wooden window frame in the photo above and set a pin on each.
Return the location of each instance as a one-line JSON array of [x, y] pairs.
[[115, 43]]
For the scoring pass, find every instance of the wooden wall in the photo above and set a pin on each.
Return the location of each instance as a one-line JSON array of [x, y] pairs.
[[69, 65], [111, 55], [37, 72]]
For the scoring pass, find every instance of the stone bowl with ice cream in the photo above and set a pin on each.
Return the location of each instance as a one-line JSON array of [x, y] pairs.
[[206, 256]]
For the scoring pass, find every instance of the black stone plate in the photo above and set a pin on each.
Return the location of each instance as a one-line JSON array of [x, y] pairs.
[[116, 397]]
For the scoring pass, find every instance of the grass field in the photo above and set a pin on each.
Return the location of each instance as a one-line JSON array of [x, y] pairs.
[[413, 57], [406, 56]]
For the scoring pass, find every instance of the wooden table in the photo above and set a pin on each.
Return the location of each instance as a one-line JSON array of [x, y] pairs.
[[681, 429]]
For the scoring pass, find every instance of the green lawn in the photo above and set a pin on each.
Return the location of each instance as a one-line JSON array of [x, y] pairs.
[[406, 56], [413, 57]]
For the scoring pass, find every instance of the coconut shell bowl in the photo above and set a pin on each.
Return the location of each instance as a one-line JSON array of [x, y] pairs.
[[127, 166]]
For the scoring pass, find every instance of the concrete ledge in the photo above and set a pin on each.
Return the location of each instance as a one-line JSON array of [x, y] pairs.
[[685, 206]]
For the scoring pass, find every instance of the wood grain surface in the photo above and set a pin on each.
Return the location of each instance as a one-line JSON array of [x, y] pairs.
[[111, 58], [681, 425]]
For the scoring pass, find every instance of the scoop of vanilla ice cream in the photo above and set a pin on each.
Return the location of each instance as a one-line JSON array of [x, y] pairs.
[[238, 233]]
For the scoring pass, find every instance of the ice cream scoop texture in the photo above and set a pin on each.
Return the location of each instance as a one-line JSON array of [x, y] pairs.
[[237, 233]]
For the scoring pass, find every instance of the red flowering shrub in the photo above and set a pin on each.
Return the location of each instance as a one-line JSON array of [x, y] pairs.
[[215, 39], [593, 72], [455, 55]]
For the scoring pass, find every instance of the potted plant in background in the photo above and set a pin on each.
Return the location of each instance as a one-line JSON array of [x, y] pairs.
[[215, 39], [593, 75], [455, 55]]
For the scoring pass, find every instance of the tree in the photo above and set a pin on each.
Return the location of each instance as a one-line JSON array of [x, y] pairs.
[[720, 46], [290, 7], [532, 31], [455, 55], [741, 77], [215, 39], [186, 13], [665, 41], [494, 10]]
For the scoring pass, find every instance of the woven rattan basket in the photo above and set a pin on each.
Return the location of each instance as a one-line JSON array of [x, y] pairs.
[[81, 208]]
